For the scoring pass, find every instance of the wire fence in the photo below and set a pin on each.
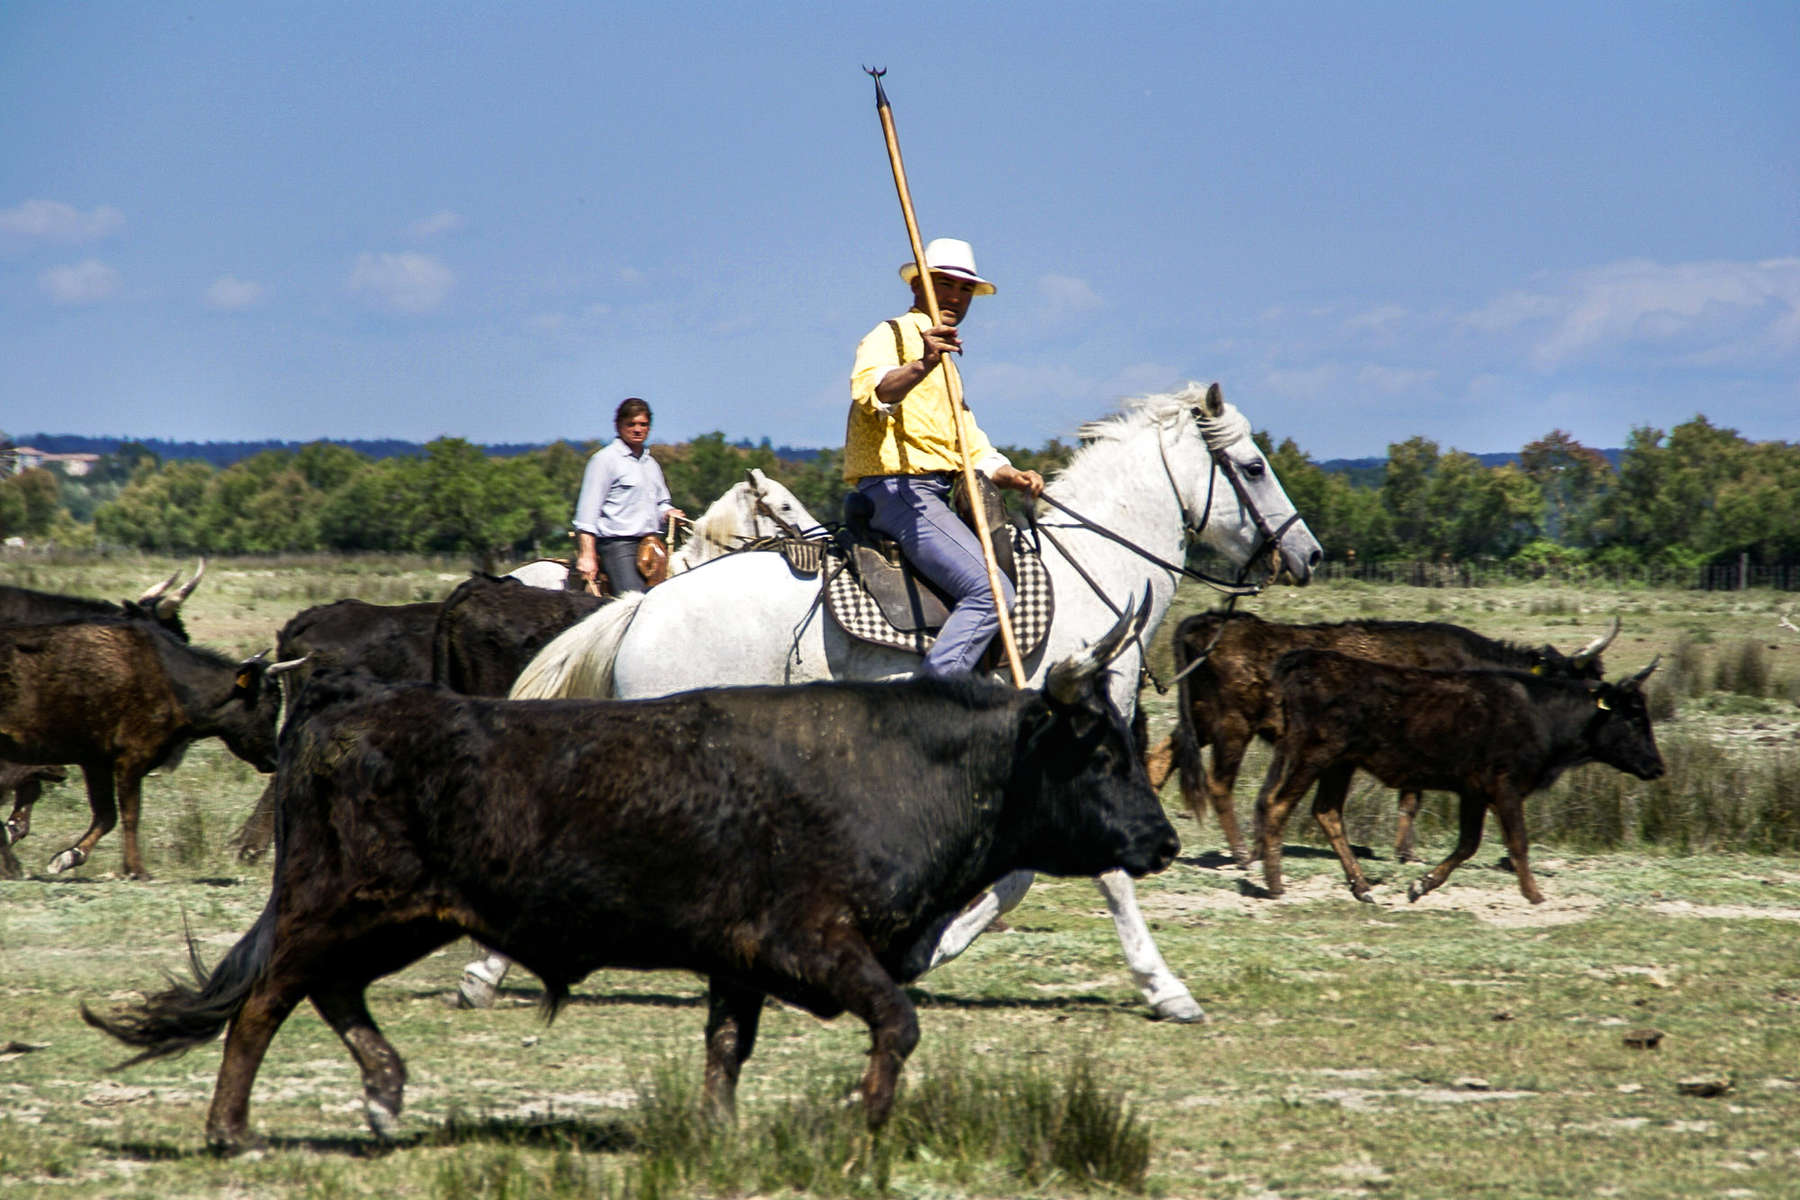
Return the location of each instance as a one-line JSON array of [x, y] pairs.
[[1422, 573]]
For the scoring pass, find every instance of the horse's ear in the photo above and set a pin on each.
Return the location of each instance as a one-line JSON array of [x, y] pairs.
[[1215, 399]]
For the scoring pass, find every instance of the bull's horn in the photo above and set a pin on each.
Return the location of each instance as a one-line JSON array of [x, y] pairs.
[[283, 667], [168, 606], [156, 590], [1066, 678], [1644, 674], [1592, 650]]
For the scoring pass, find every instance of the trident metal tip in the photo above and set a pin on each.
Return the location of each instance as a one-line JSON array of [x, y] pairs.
[[875, 73]]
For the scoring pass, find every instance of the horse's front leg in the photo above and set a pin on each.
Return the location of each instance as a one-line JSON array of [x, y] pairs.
[[1166, 995], [969, 924]]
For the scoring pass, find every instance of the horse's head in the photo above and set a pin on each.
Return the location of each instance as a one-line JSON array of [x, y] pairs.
[[1230, 496], [774, 510]]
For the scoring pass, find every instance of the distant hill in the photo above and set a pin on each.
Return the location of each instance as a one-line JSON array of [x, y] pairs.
[[1363, 472], [224, 454], [1368, 472]]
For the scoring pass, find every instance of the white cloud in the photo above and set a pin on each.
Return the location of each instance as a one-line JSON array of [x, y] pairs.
[[1380, 319], [230, 294], [1064, 296], [52, 220], [1718, 313], [404, 283], [1395, 380], [436, 225], [80, 283]]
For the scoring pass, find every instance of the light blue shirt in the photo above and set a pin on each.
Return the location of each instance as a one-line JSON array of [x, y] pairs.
[[622, 494]]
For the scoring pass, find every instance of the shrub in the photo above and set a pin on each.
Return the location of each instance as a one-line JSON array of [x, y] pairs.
[[1745, 671]]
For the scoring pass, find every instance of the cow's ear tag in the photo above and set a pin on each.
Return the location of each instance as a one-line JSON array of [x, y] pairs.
[[1537, 668], [243, 680], [1603, 705]]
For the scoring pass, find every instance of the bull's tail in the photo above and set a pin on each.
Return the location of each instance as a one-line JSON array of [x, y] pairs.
[[579, 662], [175, 1021]]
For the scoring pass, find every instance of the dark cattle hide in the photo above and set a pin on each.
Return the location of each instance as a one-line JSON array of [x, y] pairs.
[[388, 641], [803, 842], [490, 627], [22, 606], [1227, 699], [1492, 737], [120, 698]]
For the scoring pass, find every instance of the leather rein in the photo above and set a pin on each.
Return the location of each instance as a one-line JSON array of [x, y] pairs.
[[1268, 540]]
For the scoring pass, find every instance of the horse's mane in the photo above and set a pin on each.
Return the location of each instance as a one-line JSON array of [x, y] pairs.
[[719, 523], [1166, 410]]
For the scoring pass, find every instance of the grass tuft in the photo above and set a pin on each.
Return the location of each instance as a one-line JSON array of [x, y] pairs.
[[1746, 671], [1710, 799]]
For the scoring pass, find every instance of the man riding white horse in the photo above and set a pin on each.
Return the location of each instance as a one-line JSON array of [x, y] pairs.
[[900, 450]]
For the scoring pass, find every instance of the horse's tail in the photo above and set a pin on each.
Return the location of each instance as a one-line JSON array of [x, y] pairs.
[[579, 662], [175, 1021]]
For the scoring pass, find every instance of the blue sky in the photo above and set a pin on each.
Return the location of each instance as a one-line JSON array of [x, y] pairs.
[[1471, 222]]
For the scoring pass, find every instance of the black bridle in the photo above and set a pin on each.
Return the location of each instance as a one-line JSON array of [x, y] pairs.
[[1268, 543], [762, 508]]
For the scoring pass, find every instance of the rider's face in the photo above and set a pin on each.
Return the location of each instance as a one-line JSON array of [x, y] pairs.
[[634, 431], [953, 296]]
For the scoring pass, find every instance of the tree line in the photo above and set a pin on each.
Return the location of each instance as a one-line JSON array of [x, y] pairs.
[[1694, 495]]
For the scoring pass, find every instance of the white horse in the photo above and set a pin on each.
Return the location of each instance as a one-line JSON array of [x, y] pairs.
[[756, 507], [1167, 469]]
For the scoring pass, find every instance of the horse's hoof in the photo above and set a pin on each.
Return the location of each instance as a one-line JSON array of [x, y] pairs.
[[1181, 1009], [1416, 890], [473, 991], [1364, 895], [66, 861]]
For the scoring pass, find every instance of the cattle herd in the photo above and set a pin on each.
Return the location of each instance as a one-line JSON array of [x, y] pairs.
[[808, 843]]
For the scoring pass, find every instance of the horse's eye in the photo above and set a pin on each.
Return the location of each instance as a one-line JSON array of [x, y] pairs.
[[1255, 469], [1196, 411]]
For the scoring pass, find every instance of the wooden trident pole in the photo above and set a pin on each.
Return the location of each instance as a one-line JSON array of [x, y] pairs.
[[952, 382]]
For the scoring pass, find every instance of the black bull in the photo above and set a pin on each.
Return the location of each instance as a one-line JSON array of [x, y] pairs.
[[803, 842]]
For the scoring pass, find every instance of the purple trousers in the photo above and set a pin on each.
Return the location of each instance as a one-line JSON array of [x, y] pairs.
[[915, 511]]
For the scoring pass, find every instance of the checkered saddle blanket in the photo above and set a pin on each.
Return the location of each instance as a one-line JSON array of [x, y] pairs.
[[861, 616]]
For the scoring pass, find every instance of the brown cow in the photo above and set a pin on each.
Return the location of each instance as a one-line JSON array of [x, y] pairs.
[[1492, 737], [119, 698], [1226, 698]]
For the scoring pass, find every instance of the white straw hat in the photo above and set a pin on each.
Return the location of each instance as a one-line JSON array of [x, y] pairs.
[[949, 256]]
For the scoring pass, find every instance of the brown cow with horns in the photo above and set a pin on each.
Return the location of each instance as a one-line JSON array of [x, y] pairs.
[[1493, 737]]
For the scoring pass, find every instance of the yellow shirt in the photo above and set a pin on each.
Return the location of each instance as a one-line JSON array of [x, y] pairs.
[[918, 435]]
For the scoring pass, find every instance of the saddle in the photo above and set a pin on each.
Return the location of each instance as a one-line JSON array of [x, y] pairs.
[[876, 596]]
